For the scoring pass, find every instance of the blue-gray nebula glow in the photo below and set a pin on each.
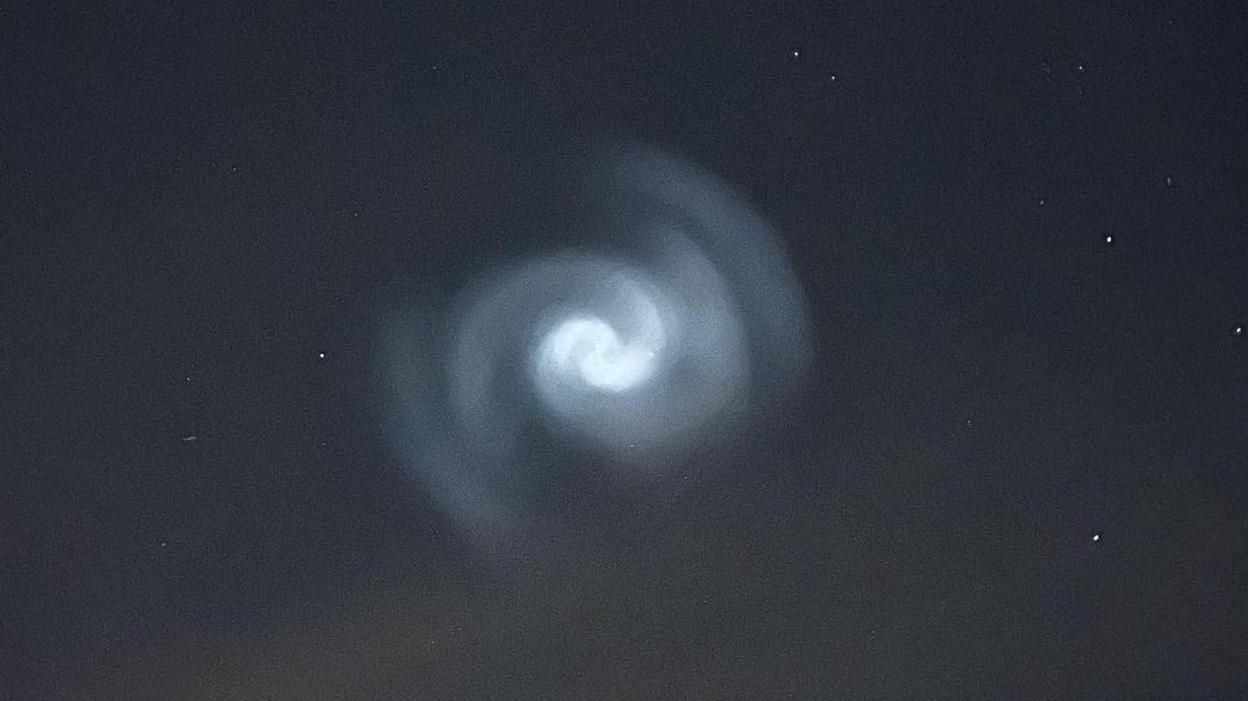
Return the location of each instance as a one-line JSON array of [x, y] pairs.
[[669, 323]]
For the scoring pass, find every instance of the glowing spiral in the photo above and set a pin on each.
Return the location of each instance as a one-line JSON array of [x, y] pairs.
[[677, 317]]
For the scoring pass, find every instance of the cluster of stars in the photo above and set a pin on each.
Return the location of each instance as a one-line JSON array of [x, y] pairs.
[[194, 438], [796, 53], [1109, 241], [1096, 535]]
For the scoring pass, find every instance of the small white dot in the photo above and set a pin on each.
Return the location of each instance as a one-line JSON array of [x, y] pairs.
[[1109, 239], [1239, 330], [1079, 68], [321, 356], [1169, 181], [832, 77], [1096, 537], [796, 53]]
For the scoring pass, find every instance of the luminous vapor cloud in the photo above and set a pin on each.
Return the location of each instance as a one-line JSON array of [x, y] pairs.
[[661, 332]]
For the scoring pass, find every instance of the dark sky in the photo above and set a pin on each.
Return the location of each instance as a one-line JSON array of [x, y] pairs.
[[1018, 468]]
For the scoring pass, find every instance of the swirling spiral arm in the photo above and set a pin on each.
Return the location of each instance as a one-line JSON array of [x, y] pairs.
[[680, 317]]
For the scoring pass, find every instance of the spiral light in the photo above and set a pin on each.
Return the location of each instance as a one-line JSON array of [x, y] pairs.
[[675, 319]]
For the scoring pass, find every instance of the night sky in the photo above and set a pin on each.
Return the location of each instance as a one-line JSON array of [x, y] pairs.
[[1016, 468]]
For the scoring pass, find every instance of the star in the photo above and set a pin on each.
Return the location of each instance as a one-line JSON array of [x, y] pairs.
[[320, 356], [1096, 537], [1109, 239]]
